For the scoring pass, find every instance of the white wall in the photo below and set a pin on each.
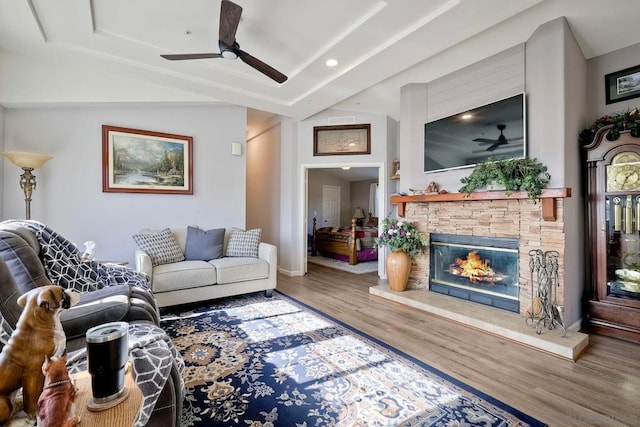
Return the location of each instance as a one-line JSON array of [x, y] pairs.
[[263, 183], [69, 195]]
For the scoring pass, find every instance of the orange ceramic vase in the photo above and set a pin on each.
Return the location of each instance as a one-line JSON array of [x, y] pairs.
[[398, 266]]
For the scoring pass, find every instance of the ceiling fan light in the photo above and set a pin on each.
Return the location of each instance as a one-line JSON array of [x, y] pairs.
[[228, 54]]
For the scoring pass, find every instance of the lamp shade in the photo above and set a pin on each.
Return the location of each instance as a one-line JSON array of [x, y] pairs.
[[359, 213], [26, 160]]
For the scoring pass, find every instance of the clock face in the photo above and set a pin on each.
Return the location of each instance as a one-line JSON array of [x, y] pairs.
[[623, 177]]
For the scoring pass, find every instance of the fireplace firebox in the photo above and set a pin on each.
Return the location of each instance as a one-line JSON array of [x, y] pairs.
[[478, 269]]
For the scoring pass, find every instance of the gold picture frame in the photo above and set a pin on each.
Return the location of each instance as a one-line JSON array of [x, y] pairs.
[[141, 161], [341, 140]]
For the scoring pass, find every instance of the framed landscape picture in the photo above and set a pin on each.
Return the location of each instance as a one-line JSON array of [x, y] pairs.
[[343, 139], [622, 85], [140, 161]]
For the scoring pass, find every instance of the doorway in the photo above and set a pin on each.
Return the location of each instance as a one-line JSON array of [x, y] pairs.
[[319, 199]]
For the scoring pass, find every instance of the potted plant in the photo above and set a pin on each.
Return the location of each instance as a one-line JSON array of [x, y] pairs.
[[514, 174], [405, 242], [624, 120]]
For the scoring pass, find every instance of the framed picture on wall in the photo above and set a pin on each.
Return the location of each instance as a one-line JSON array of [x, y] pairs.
[[341, 140], [141, 161], [622, 85]]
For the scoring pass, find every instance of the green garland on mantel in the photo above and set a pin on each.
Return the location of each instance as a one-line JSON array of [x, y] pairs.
[[626, 120]]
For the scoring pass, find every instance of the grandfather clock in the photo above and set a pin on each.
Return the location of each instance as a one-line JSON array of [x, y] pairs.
[[613, 235]]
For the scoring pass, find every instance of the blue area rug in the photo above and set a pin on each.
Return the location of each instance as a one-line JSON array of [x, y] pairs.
[[258, 362]]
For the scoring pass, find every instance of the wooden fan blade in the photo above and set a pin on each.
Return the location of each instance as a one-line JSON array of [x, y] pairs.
[[485, 140], [182, 56], [229, 18], [265, 69]]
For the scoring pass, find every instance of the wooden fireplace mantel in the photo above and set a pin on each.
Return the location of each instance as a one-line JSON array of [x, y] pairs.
[[547, 199]]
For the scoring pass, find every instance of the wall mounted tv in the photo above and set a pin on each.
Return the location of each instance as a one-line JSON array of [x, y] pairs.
[[496, 130]]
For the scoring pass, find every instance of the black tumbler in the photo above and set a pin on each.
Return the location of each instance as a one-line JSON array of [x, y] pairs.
[[107, 353]]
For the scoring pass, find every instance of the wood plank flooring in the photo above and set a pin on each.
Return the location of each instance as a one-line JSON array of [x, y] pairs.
[[601, 389]]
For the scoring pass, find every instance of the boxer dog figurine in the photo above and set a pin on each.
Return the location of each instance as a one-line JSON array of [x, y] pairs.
[[55, 405], [38, 334]]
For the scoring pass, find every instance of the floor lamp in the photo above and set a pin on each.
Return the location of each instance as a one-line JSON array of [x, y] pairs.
[[28, 162]]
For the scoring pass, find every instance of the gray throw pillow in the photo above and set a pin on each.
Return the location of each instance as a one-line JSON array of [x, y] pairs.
[[244, 243], [161, 246], [204, 245]]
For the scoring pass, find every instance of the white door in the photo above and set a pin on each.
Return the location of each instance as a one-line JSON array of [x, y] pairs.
[[330, 206]]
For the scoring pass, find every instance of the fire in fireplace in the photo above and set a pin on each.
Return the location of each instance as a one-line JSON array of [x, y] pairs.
[[479, 269]]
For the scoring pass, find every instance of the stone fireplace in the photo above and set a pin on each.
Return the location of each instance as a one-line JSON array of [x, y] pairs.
[[493, 217]]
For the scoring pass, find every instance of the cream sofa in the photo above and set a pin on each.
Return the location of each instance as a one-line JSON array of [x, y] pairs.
[[192, 281]]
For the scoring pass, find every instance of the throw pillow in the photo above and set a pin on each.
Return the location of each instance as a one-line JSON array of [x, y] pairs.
[[244, 243], [204, 245], [161, 247]]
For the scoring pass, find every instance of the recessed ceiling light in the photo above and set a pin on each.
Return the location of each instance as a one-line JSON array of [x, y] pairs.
[[346, 168], [331, 62], [466, 116]]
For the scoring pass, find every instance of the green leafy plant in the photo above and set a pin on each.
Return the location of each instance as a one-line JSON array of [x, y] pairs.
[[399, 234], [625, 120], [514, 174]]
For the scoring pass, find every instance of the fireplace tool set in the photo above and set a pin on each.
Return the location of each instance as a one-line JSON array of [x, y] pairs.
[[544, 312]]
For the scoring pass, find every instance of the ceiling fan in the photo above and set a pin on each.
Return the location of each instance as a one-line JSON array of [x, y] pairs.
[[495, 143], [229, 48]]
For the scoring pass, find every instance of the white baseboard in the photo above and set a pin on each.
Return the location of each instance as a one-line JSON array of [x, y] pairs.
[[290, 273]]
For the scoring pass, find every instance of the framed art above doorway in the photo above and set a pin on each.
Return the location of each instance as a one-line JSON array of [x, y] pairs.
[[341, 140]]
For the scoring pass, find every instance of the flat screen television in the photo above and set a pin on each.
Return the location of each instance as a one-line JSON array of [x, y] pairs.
[[496, 130]]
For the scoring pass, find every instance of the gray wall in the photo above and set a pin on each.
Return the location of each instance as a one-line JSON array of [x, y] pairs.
[[492, 79], [597, 68], [360, 195], [352, 195], [263, 184], [316, 179], [555, 84], [69, 195]]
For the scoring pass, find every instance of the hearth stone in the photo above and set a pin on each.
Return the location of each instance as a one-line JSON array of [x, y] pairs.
[[483, 318]]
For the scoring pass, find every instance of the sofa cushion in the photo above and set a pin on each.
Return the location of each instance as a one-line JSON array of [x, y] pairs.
[[161, 246], [238, 269], [204, 245], [244, 243], [183, 275], [110, 304]]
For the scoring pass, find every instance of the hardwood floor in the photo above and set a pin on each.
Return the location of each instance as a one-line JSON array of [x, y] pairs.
[[601, 389]]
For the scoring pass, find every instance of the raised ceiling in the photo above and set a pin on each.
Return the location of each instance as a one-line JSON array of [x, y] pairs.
[[108, 51]]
